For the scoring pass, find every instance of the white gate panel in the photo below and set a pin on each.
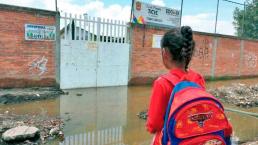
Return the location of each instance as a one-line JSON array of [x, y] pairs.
[[78, 65], [113, 61], [112, 76], [94, 52]]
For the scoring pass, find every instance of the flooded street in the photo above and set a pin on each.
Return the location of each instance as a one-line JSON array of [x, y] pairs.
[[108, 115], [66, 66]]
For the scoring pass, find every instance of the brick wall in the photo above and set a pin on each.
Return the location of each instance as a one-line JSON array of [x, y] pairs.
[[146, 62], [232, 57], [228, 57], [17, 55], [202, 58], [249, 64]]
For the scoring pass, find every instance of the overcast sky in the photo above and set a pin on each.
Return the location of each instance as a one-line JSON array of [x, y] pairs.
[[199, 14]]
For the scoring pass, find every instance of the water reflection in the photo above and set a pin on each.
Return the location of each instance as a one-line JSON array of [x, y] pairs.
[[245, 127], [111, 136], [108, 114], [100, 112]]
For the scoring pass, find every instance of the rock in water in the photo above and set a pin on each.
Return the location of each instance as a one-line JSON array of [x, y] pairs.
[[78, 94], [143, 115], [20, 133], [54, 131]]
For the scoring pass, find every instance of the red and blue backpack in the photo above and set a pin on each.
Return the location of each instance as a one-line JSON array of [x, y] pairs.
[[194, 117]]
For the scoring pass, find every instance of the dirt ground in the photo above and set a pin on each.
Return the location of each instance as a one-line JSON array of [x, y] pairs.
[[18, 95]]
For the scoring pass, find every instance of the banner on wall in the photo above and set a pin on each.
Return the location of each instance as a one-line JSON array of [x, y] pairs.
[[40, 32], [143, 13]]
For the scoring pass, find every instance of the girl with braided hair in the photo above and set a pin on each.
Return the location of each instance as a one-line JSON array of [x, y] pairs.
[[177, 47]]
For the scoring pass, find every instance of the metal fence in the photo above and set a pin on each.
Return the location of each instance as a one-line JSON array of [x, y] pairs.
[[222, 21], [93, 29], [231, 2]]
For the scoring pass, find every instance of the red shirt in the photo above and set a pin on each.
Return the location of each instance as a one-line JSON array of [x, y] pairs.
[[161, 91]]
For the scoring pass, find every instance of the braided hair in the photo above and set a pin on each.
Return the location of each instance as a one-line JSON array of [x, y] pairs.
[[180, 43]]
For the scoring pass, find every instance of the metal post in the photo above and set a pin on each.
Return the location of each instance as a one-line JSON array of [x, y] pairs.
[[233, 2], [98, 28], [56, 5], [181, 11], [214, 56], [216, 21], [132, 7], [57, 50], [243, 21]]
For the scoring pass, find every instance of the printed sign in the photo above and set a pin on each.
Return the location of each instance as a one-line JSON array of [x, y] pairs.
[[40, 32], [156, 41], [149, 14]]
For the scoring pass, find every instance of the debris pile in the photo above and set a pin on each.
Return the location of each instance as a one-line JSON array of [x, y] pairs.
[[19, 95], [238, 94], [251, 143], [29, 129]]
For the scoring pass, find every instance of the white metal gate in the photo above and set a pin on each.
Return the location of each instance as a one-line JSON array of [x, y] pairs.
[[94, 52]]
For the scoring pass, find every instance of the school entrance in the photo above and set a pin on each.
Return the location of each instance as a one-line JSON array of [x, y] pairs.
[[94, 52]]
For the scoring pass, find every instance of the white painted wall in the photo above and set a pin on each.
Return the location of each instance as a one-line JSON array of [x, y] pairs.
[[93, 64]]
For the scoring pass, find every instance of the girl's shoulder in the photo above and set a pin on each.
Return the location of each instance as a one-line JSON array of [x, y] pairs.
[[174, 76], [163, 82], [195, 74], [197, 77]]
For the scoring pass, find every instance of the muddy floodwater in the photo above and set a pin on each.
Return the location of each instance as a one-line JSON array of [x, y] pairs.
[[98, 116]]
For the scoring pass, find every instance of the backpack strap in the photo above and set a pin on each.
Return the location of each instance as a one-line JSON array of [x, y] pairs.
[[173, 79]]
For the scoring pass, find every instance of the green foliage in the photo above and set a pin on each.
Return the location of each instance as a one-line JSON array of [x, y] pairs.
[[247, 19]]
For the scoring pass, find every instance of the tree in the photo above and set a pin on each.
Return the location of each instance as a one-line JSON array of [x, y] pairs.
[[246, 21]]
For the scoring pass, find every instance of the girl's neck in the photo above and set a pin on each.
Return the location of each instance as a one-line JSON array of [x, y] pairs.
[[171, 66]]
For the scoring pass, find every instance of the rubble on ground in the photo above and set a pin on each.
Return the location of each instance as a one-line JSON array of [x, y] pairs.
[[251, 143], [49, 128], [238, 94], [20, 133]]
